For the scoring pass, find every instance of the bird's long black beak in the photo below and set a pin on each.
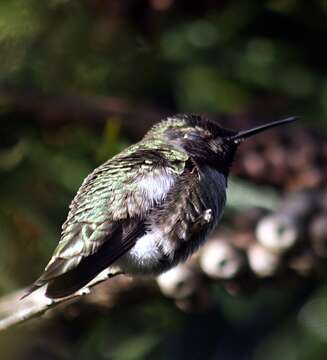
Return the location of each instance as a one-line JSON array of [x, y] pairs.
[[241, 135]]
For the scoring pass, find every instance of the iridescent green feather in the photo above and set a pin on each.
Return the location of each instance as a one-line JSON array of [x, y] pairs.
[[110, 194]]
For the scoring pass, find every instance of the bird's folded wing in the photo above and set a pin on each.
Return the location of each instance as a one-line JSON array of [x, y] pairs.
[[107, 216], [88, 267]]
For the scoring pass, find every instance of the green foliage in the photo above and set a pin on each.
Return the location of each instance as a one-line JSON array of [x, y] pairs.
[[229, 60]]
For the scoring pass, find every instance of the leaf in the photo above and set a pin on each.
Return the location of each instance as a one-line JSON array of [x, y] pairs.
[[242, 194], [11, 158], [108, 145], [136, 347]]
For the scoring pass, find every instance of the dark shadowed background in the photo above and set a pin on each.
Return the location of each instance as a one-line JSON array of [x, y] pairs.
[[79, 81]]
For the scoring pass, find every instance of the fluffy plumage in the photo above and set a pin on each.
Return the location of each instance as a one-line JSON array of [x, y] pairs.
[[147, 208]]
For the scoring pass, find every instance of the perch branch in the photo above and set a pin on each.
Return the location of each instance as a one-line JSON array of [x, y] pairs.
[[14, 311], [136, 119]]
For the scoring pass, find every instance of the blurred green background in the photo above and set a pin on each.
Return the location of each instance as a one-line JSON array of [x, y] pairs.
[[79, 80]]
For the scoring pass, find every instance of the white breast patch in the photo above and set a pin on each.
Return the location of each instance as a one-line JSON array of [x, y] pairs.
[[146, 253], [155, 186]]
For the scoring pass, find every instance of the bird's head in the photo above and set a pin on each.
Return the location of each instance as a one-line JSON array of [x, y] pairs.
[[204, 140]]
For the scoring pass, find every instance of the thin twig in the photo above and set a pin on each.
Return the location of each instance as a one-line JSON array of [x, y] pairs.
[[14, 311], [135, 118]]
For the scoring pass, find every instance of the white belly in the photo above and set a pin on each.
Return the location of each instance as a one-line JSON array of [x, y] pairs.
[[145, 255]]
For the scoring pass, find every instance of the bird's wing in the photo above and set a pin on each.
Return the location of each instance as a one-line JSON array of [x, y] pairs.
[[108, 214]]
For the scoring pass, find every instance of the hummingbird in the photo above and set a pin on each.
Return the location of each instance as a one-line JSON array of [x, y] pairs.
[[148, 208]]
